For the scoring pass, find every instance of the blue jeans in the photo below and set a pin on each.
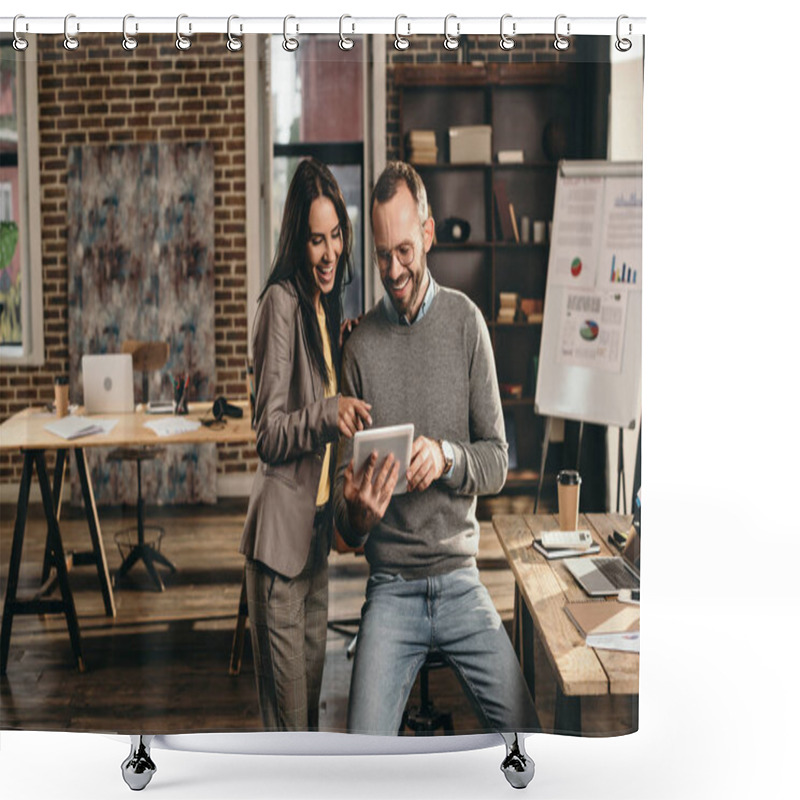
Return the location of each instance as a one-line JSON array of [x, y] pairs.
[[402, 621]]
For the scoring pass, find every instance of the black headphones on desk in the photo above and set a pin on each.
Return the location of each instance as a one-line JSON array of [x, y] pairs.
[[222, 408]]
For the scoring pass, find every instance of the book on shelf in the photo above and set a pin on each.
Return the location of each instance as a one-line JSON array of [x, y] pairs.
[[532, 308], [423, 137], [421, 145], [418, 156], [506, 229], [506, 315], [509, 300], [509, 306], [514, 227], [606, 624], [510, 156]]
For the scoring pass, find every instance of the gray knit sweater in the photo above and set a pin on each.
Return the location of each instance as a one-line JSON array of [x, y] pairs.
[[438, 373]]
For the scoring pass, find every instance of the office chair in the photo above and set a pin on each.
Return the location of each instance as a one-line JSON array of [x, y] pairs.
[[147, 357]]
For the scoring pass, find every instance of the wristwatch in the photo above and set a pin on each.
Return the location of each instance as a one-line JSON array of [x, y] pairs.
[[447, 456]]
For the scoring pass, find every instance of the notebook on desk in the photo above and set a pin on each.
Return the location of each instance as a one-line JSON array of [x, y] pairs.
[[107, 383]]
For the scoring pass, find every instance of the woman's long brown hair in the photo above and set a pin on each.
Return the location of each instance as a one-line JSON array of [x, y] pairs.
[[312, 179]]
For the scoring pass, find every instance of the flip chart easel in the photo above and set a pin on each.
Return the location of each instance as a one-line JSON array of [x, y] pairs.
[[590, 359]]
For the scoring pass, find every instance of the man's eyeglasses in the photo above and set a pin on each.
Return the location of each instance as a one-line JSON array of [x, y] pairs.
[[403, 252]]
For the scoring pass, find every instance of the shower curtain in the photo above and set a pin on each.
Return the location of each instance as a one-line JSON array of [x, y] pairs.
[[145, 227]]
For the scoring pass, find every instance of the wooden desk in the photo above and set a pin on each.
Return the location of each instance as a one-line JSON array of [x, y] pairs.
[[542, 590], [25, 431]]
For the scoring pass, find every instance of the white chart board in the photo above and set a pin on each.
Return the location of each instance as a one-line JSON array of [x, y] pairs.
[[590, 359]]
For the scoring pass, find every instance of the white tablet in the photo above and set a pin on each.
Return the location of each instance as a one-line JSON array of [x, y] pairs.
[[394, 439]]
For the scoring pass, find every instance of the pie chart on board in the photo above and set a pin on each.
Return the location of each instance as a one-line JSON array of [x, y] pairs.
[[590, 330], [575, 267]]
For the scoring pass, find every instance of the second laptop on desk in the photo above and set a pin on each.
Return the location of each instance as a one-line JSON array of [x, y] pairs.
[[107, 383], [600, 576]]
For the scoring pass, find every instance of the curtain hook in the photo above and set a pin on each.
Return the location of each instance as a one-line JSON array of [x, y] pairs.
[[560, 42], [344, 42], [233, 44], [506, 42], [70, 42], [181, 41], [128, 42], [400, 42], [450, 41], [623, 45], [19, 43], [290, 43]]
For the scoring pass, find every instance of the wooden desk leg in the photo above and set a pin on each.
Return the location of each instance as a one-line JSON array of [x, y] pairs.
[[515, 625], [58, 485], [54, 538], [524, 640], [568, 713], [16, 558], [94, 531], [237, 648]]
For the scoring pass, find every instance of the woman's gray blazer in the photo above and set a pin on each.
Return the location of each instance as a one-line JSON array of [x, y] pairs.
[[293, 422]]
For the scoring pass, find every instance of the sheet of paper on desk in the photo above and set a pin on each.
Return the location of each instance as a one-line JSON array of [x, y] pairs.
[[627, 642], [172, 426], [75, 426]]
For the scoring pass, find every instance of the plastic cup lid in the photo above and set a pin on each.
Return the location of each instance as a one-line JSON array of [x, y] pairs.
[[569, 477]]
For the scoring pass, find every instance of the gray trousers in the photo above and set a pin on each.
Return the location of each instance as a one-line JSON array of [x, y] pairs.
[[289, 626]]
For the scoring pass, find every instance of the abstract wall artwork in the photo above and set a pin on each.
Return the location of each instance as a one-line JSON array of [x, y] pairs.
[[141, 266]]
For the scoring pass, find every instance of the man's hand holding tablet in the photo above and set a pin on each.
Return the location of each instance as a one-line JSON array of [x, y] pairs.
[[367, 498], [380, 457]]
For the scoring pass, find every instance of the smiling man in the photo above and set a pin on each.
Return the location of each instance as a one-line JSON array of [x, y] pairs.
[[423, 355]]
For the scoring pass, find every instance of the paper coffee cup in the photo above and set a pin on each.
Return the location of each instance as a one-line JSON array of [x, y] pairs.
[[569, 490], [61, 397]]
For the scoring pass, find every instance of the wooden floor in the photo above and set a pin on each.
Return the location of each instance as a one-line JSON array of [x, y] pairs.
[[162, 664]]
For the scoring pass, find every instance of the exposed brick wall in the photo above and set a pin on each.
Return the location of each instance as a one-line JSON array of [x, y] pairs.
[[102, 94]]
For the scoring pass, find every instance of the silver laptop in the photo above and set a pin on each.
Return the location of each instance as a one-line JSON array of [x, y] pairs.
[[108, 383], [600, 576]]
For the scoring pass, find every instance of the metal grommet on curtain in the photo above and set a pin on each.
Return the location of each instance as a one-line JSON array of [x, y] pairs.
[[623, 45], [560, 42], [182, 42], [233, 44], [290, 44], [400, 42], [128, 42], [506, 42], [344, 42], [450, 41], [70, 42], [19, 44]]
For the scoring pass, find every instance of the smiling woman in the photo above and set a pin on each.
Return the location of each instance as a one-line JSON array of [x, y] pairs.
[[324, 245], [298, 415]]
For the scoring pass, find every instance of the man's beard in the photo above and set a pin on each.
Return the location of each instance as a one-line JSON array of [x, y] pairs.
[[417, 281]]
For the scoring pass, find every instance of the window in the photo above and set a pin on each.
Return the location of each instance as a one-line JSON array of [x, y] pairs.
[[21, 326], [316, 105]]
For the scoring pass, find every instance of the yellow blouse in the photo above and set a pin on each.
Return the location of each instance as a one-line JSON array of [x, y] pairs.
[[324, 491]]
